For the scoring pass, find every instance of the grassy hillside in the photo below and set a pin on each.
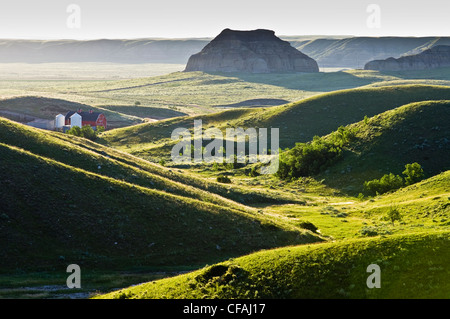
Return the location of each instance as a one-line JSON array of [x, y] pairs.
[[387, 142], [103, 160], [322, 114], [405, 250], [421, 206], [297, 122], [412, 266], [66, 203], [25, 108], [135, 100], [109, 207]]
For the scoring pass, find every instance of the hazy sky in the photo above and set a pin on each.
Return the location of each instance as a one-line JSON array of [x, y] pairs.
[[51, 19]]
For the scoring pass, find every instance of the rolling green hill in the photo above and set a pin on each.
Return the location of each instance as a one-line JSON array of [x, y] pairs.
[[388, 141], [135, 100], [297, 122], [90, 156], [65, 201], [422, 206], [26, 108], [411, 266], [107, 206]]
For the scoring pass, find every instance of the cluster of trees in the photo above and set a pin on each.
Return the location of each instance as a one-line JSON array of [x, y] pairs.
[[306, 159], [86, 132], [413, 174]]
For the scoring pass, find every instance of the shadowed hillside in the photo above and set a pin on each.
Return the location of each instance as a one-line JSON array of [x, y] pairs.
[[86, 212]]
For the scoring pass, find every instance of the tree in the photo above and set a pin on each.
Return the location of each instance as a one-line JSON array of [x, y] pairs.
[[76, 130], [88, 132], [307, 159], [414, 173], [385, 184], [366, 120], [393, 215]]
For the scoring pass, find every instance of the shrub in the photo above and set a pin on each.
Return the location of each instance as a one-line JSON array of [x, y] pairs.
[[385, 184], [223, 179], [368, 231], [76, 130], [307, 159], [393, 215], [308, 225], [86, 131], [234, 164], [253, 172], [414, 173], [366, 120]]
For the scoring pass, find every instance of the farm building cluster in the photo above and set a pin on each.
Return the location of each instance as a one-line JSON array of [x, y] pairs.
[[65, 122]]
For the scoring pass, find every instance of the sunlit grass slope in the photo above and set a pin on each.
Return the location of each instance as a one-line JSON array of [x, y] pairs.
[[412, 266], [385, 143], [423, 206]]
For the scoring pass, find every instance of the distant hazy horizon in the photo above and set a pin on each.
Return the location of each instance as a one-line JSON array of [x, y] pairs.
[[133, 19]]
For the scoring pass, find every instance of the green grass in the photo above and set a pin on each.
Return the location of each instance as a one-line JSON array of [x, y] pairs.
[[195, 93], [89, 155], [412, 266], [297, 122], [126, 220], [108, 223], [387, 142], [424, 205], [59, 207], [48, 108]]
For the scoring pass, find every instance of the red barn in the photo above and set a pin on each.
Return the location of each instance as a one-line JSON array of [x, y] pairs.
[[90, 118]]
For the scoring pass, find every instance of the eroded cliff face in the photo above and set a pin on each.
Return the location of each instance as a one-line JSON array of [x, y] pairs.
[[257, 51], [436, 57]]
